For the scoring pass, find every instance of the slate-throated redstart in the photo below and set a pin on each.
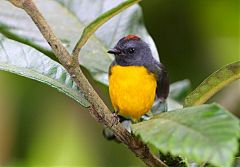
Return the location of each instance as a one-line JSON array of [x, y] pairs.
[[135, 78]]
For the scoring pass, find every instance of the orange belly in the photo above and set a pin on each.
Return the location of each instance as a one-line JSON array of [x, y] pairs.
[[132, 90]]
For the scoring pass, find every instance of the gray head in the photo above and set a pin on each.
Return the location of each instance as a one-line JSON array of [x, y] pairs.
[[131, 50]]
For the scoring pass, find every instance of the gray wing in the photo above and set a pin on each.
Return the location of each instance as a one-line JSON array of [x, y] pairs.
[[162, 80]]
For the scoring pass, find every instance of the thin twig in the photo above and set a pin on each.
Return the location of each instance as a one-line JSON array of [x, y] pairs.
[[97, 108]]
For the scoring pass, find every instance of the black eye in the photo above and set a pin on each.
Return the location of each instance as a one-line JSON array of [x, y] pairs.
[[131, 50]]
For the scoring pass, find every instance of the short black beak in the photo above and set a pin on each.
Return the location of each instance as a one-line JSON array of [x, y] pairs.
[[114, 51]]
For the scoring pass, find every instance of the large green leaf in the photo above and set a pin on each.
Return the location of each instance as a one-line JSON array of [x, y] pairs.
[[213, 84], [68, 18], [206, 133], [91, 28], [26, 61]]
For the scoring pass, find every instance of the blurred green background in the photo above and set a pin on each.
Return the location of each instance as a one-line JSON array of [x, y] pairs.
[[40, 126]]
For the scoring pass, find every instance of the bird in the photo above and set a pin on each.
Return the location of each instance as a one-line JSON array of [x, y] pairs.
[[136, 79]]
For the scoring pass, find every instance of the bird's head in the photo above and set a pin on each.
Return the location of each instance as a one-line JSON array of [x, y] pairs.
[[131, 50]]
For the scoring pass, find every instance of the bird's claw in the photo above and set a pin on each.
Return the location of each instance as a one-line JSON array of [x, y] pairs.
[[115, 120]]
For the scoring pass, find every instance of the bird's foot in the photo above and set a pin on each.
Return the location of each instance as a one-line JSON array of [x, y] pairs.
[[115, 120]]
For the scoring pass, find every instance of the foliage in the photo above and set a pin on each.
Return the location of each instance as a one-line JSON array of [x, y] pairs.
[[213, 127], [203, 133], [213, 84], [68, 23], [37, 66], [179, 90]]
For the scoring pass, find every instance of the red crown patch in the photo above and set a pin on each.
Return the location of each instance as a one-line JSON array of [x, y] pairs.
[[131, 37]]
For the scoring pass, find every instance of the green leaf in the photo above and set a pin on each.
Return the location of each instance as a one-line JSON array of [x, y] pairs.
[[179, 90], [99, 21], [213, 84], [206, 133], [68, 18], [25, 61]]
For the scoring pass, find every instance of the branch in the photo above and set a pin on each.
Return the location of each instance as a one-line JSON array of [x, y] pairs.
[[94, 25], [59, 50], [97, 108]]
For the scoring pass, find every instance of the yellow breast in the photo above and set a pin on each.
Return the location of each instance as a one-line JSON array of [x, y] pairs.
[[132, 90]]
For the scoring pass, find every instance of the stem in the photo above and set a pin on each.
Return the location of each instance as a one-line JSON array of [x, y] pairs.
[[97, 109]]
